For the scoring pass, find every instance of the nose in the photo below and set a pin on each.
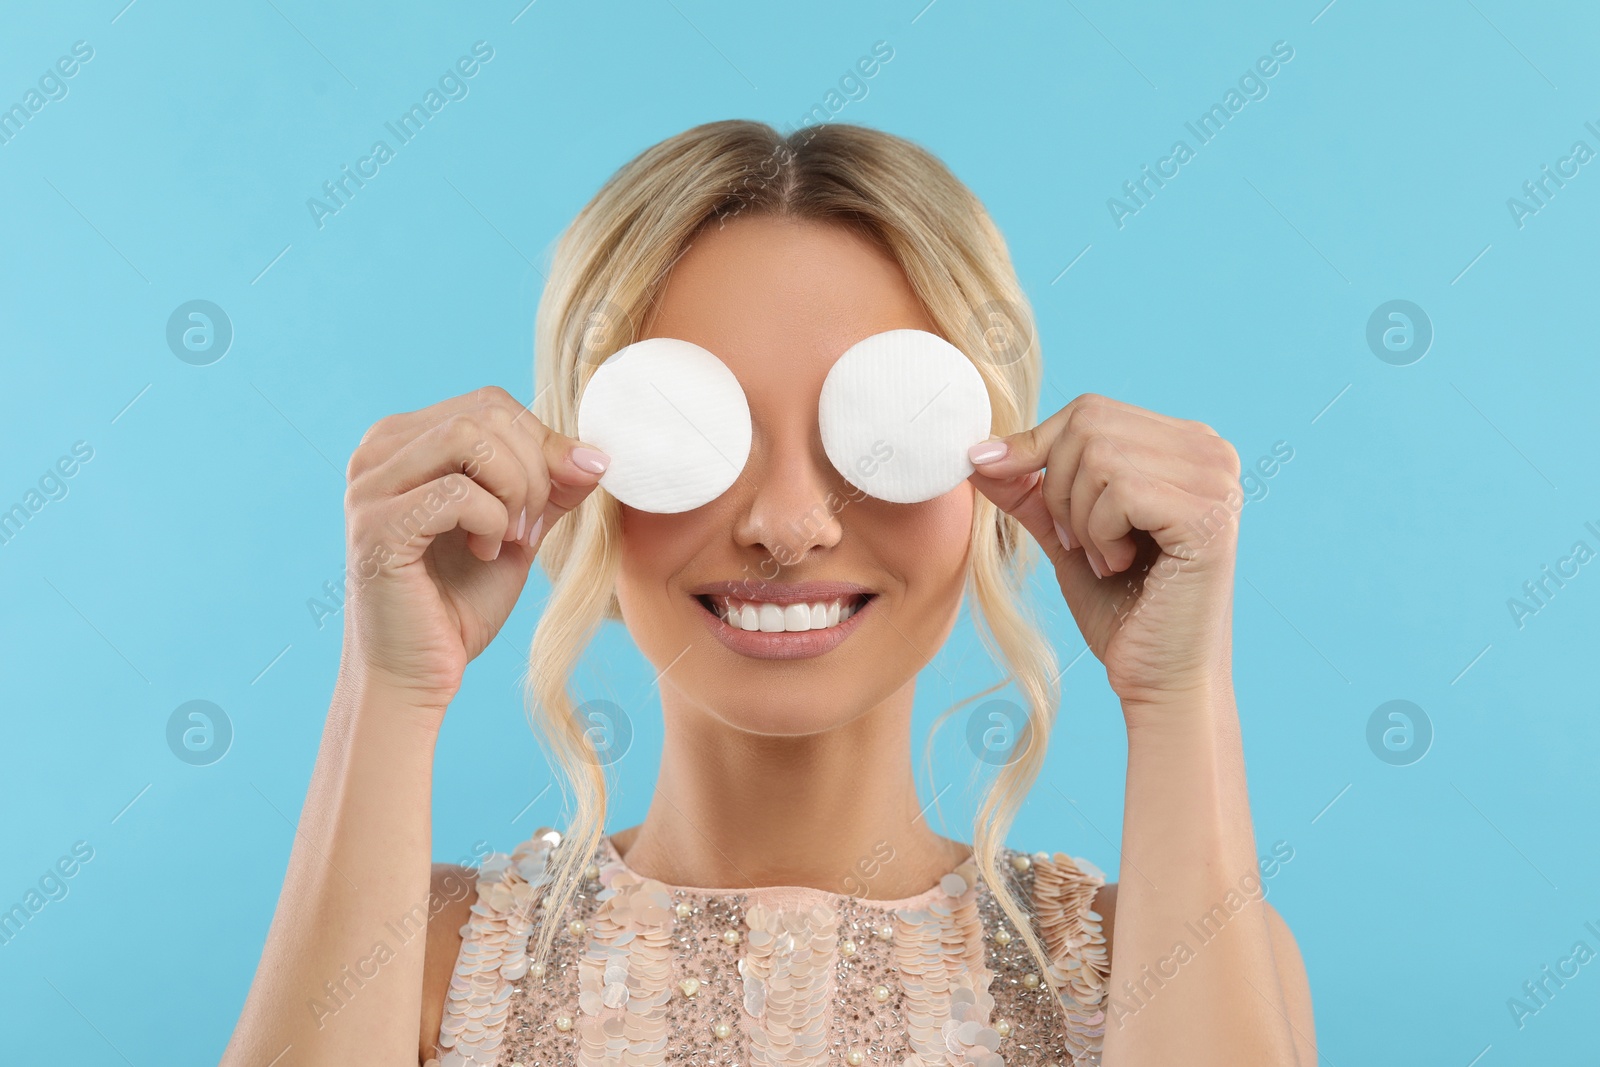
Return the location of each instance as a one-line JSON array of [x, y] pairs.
[[793, 499]]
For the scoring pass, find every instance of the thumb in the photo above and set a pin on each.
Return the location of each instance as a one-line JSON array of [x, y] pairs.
[[1014, 482]]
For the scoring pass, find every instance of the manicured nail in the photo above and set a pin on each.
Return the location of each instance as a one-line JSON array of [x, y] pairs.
[[987, 451], [1090, 557], [590, 459], [521, 521], [533, 534], [1064, 537]]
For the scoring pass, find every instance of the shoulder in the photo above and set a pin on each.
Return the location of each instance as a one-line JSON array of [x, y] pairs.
[[1296, 984], [1063, 897], [1285, 950], [482, 904], [450, 894], [1064, 888]]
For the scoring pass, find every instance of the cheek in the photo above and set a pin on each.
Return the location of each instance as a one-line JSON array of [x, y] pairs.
[[930, 542], [948, 524], [654, 547]]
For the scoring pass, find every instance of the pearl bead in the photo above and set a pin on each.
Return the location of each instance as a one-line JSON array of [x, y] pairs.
[[730, 937], [683, 909], [848, 948], [722, 1030], [854, 1057], [1041, 857], [884, 932], [1002, 936], [1021, 862], [563, 1023], [1031, 980], [536, 970], [690, 986], [576, 928], [591, 872], [881, 992], [1002, 1028]]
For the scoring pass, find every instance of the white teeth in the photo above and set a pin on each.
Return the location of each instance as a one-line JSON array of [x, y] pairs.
[[782, 618]]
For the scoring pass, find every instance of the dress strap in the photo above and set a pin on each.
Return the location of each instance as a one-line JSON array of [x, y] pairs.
[[494, 952]]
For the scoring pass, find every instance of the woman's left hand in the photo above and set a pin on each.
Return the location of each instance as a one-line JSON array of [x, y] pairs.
[[1147, 509]]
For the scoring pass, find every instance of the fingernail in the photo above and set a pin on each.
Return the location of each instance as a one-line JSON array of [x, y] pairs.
[[590, 459], [1090, 557], [521, 521], [987, 451], [533, 534], [1064, 537], [497, 546]]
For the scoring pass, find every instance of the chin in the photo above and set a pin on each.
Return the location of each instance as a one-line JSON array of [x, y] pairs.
[[825, 673], [781, 697]]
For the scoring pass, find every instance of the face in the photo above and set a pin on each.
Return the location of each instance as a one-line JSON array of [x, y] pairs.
[[863, 591]]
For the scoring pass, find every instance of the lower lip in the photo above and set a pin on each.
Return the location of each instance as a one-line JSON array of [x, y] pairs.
[[798, 644]]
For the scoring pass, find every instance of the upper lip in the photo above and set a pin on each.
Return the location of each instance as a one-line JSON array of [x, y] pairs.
[[764, 591]]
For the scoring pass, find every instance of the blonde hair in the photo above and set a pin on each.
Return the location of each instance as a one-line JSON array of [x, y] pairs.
[[608, 266]]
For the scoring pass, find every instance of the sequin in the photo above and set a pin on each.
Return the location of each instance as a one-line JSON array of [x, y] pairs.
[[647, 975]]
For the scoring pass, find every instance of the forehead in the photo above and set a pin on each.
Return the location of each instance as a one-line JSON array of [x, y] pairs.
[[779, 300]]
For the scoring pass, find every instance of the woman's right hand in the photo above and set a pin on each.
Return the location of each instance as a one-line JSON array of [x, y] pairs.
[[444, 512]]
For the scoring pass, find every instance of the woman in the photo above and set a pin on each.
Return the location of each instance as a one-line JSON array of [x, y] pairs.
[[784, 900]]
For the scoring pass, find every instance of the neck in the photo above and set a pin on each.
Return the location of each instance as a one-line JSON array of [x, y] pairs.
[[836, 811]]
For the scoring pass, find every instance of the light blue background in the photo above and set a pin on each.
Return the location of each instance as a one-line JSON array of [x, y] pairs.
[[1377, 567]]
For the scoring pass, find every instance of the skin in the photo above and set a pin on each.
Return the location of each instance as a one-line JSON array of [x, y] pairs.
[[762, 782], [785, 772]]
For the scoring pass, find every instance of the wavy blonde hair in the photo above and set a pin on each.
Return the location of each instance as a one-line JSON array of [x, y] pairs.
[[608, 266]]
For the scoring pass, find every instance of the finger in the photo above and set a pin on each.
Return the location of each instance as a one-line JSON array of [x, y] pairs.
[[1021, 498], [1082, 419], [401, 529], [1167, 447], [383, 436], [521, 432], [572, 469], [562, 470], [1108, 462], [1089, 480], [1108, 406], [408, 424], [1010, 457], [461, 443], [1040, 500], [554, 487], [386, 436], [1167, 512]]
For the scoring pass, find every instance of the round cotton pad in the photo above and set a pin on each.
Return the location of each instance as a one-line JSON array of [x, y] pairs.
[[673, 419], [899, 411]]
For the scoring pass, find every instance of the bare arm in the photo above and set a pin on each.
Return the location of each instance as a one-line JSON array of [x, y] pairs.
[[1291, 970], [453, 893], [1194, 972], [445, 510], [1138, 512], [340, 978]]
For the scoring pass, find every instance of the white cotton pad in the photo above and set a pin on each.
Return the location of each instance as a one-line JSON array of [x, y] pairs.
[[673, 419], [899, 411]]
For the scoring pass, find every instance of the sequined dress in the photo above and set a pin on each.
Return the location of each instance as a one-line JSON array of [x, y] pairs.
[[645, 973]]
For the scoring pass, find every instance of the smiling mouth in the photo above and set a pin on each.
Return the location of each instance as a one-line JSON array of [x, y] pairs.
[[767, 617]]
